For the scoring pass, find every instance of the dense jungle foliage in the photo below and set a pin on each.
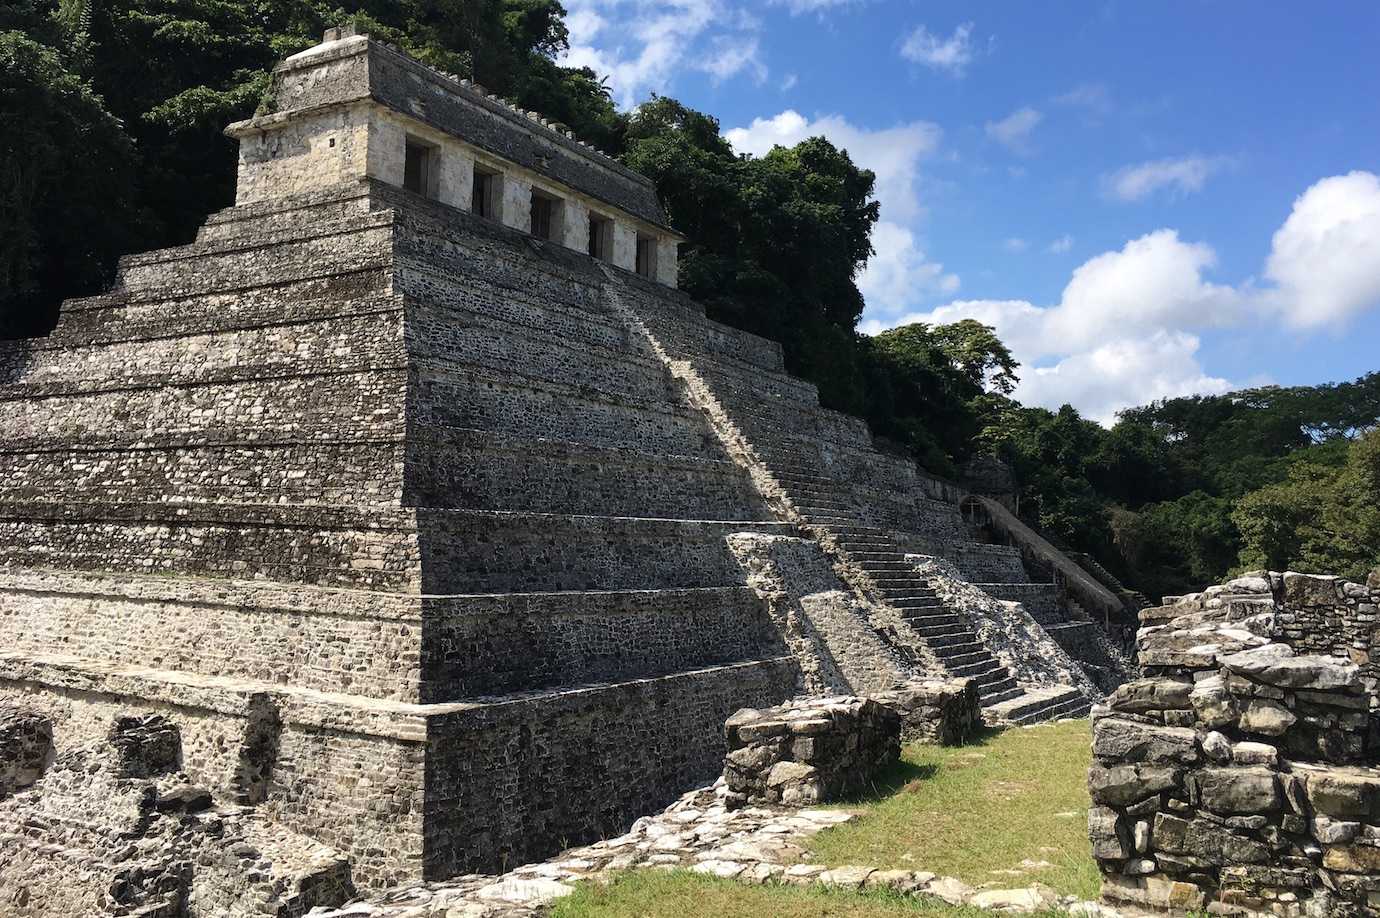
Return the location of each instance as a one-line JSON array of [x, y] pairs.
[[111, 114]]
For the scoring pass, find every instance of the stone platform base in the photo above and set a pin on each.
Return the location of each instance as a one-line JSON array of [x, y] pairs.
[[408, 791]]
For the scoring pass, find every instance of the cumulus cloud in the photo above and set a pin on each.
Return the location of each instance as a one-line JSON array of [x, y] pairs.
[[1013, 131], [1121, 373], [1119, 334], [900, 272], [1325, 259], [952, 54], [1126, 328], [1183, 175], [894, 153]]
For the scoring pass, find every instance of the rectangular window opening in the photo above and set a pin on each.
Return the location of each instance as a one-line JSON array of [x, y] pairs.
[[646, 256], [419, 168], [486, 191], [546, 215], [601, 237]]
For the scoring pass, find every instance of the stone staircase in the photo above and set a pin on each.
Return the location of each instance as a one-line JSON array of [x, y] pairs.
[[883, 561]]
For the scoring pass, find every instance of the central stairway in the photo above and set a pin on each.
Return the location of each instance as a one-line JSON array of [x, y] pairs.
[[868, 510]]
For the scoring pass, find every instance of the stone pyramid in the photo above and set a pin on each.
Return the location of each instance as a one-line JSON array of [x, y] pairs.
[[446, 541]]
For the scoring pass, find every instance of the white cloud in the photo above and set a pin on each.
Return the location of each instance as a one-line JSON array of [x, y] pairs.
[[730, 55], [1121, 333], [952, 54], [1121, 373], [899, 272], [641, 45], [797, 7], [894, 154], [1015, 129], [1325, 259], [789, 82], [1061, 245], [1015, 244], [1094, 97], [1183, 175]]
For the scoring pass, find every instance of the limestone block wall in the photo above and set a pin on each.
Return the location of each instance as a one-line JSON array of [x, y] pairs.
[[511, 782], [1239, 774], [489, 645], [309, 638], [326, 148]]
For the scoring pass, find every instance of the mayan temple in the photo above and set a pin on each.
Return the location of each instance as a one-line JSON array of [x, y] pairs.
[[440, 527]]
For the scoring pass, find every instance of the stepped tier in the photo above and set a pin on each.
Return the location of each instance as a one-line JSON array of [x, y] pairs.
[[423, 550], [427, 649]]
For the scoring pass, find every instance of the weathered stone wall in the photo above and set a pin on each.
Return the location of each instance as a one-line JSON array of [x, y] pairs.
[[313, 639], [26, 747], [97, 837], [809, 751], [517, 780], [1239, 774]]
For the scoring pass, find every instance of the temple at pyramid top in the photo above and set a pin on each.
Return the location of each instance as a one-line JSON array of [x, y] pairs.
[[353, 108]]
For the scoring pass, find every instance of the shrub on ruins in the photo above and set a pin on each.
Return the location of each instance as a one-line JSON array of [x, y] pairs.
[[776, 242], [1321, 517]]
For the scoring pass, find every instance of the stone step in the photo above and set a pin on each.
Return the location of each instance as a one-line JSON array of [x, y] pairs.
[[1040, 704], [956, 661], [873, 564], [864, 557], [997, 696], [924, 599], [983, 670], [961, 649]]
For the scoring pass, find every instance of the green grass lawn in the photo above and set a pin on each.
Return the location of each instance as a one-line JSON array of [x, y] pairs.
[[680, 894], [974, 811], [970, 812]]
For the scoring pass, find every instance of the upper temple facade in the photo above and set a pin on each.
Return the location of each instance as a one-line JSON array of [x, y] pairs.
[[353, 108]]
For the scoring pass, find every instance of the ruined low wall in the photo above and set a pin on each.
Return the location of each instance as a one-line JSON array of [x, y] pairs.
[[809, 751], [1239, 776], [943, 711]]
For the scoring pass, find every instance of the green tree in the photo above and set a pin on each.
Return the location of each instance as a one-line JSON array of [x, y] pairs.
[[67, 185]]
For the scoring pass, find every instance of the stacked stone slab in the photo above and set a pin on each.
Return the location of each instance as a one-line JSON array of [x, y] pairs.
[[420, 528], [1239, 775], [810, 751]]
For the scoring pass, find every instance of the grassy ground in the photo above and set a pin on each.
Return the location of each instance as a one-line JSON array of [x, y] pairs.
[[1005, 811], [1009, 802], [680, 894]]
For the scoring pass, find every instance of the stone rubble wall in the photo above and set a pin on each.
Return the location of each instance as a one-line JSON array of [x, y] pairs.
[[809, 751], [114, 828], [1238, 775]]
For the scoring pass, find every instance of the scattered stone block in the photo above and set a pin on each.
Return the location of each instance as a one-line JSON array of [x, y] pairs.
[[809, 751]]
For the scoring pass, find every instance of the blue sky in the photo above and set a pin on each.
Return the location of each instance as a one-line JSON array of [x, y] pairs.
[[1146, 199]]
